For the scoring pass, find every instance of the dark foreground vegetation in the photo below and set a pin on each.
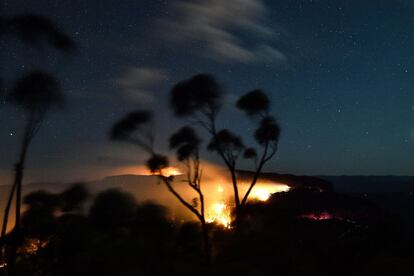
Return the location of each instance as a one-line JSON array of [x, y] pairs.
[[300, 232]]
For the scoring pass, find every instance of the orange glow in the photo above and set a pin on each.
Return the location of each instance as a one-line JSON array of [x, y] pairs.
[[219, 213], [171, 171], [32, 246], [142, 170], [262, 191]]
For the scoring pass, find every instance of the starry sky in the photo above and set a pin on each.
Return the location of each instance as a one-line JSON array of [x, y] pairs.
[[340, 75]]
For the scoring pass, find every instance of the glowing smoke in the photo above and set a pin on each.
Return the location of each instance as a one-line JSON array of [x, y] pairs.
[[216, 186]]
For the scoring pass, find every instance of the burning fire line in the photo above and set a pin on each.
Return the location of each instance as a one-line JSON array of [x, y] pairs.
[[171, 171], [220, 213], [262, 192]]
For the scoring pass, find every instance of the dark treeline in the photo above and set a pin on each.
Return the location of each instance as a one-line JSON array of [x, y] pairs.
[[286, 235]]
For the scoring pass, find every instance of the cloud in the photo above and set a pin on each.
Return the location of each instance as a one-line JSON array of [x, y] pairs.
[[217, 27], [268, 54], [137, 83]]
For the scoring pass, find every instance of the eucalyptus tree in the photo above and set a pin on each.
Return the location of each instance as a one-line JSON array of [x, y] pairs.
[[200, 99], [135, 128], [36, 31], [36, 93]]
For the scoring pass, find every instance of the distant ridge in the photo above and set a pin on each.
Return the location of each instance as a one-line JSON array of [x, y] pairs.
[[297, 181], [370, 184]]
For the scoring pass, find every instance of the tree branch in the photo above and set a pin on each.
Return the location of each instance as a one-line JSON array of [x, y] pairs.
[[167, 182], [263, 160]]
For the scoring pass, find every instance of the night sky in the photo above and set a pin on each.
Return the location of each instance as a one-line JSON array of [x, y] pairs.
[[339, 73]]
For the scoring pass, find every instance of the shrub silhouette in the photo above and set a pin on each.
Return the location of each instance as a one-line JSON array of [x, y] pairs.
[[39, 220], [151, 222], [73, 198], [112, 209]]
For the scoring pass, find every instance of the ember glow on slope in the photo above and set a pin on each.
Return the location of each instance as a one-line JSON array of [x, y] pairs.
[[142, 170]]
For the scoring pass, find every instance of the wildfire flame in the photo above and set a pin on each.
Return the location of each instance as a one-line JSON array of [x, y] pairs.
[[171, 171], [220, 214], [142, 170], [219, 211], [262, 192]]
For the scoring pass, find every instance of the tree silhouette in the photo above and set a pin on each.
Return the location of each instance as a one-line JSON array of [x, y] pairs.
[[33, 30], [254, 103], [207, 99], [199, 99], [187, 145], [257, 104], [36, 93], [133, 128]]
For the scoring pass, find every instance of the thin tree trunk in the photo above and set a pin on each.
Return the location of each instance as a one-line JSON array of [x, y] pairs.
[[206, 242], [231, 168], [6, 219], [253, 183], [19, 179], [236, 196], [200, 216], [256, 175], [19, 170], [206, 234], [182, 200]]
